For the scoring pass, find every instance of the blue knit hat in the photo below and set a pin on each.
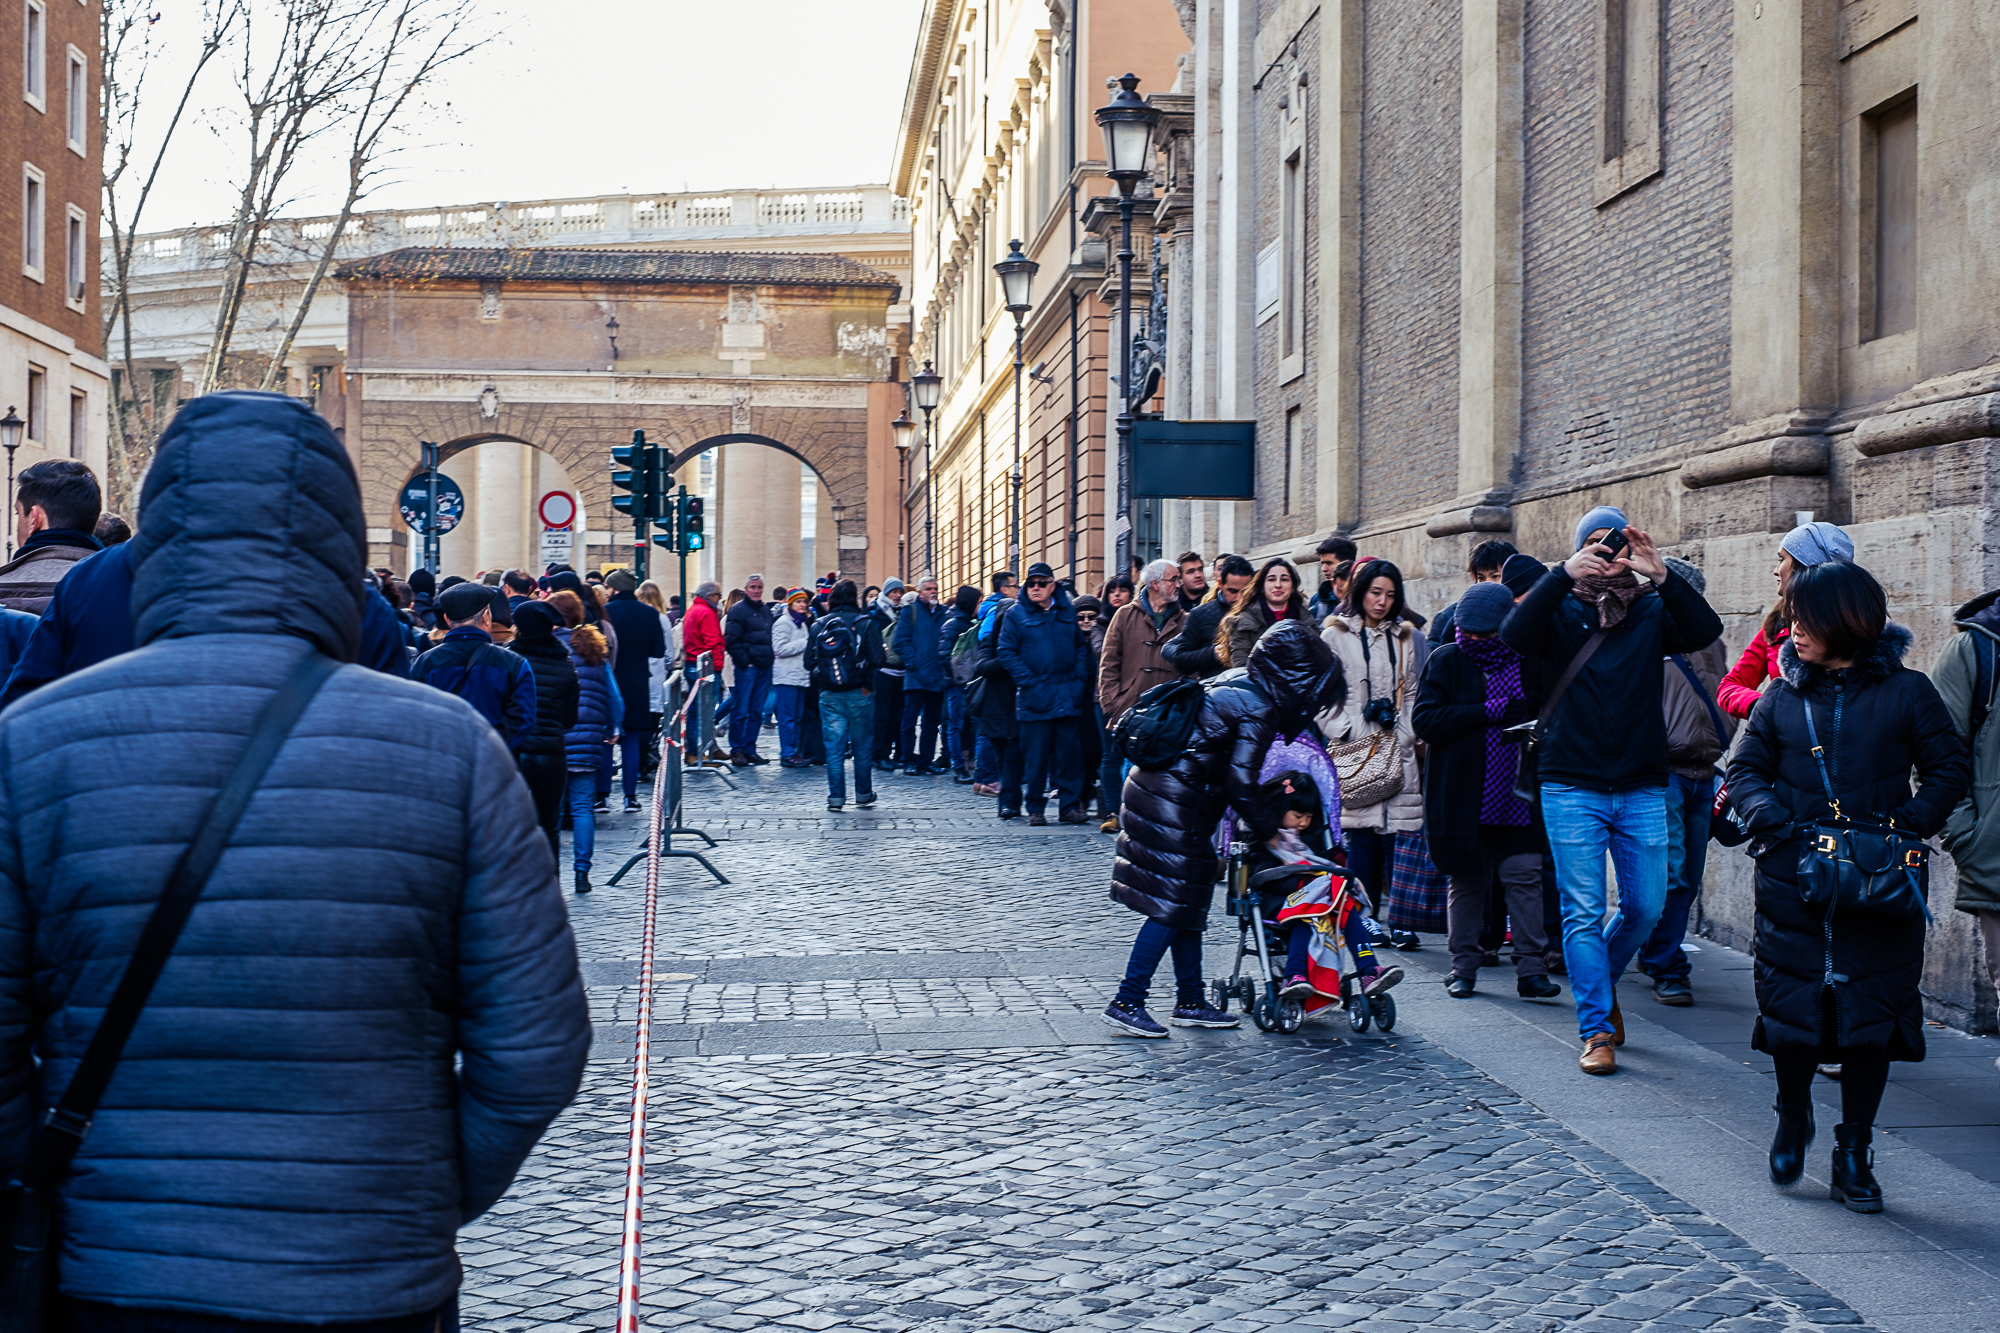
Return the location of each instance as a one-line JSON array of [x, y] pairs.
[[1818, 544], [1604, 516], [1483, 607]]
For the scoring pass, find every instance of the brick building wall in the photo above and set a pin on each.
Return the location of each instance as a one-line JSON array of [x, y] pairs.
[[1625, 308], [1409, 256]]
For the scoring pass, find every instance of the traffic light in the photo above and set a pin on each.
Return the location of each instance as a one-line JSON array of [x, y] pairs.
[[660, 485], [635, 458], [691, 523]]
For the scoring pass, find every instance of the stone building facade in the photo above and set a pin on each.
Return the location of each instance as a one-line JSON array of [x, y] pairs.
[[1474, 267], [52, 369]]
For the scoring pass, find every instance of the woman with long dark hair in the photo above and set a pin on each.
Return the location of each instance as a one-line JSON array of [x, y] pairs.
[[1271, 597], [1839, 983]]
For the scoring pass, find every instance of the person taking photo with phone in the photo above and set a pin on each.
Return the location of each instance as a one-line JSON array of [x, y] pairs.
[[1597, 627]]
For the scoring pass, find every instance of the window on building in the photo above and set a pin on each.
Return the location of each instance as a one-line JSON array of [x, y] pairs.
[[1892, 136], [38, 405], [34, 54], [79, 424], [1628, 95], [33, 193], [1294, 459], [79, 103], [1291, 273], [76, 274]]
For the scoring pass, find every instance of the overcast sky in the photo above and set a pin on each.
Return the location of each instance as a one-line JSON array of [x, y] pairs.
[[583, 97]]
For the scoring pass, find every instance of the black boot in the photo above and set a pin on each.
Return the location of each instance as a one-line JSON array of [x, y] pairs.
[[1789, 1144], [1853, 1169], [583, 881]]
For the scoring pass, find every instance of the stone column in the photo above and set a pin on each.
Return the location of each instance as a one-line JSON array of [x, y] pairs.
[[1338, 443], [1489, 283], [760, 516]]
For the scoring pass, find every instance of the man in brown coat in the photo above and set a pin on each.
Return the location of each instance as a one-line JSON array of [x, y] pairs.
[[1136, 646]]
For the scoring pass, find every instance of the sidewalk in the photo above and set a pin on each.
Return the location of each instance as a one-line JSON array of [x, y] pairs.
[[1690, 1108]]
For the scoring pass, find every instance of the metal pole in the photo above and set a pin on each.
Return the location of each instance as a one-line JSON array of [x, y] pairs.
[[1124, 544], [680, 509], [10, 497], [433, 538], [1015, 556], [930, 510]]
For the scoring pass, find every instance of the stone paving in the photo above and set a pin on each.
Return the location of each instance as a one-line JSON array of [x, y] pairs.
[[884, 1103]]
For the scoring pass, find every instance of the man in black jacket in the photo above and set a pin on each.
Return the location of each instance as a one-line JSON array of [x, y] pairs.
[[746, 633], [1193, 653], [843, 660], [641, 642], [1603, 748]]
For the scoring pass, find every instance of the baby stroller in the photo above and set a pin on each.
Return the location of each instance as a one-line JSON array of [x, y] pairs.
[[1266, 942]]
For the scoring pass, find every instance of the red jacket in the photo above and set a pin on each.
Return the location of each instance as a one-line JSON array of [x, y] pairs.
[[1738, 693], [701, 631]]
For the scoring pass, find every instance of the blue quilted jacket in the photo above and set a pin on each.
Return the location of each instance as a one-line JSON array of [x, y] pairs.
[[374, 1010]]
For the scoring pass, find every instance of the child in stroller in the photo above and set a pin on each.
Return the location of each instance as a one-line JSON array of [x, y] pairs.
[[1292, 896]]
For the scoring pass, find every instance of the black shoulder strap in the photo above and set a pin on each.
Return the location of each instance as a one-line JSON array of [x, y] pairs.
[[1982, 686], [62, 1131], [1570, 672]]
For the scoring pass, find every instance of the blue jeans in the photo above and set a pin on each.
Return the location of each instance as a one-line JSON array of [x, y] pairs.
[[1110, 771], [1151, 946], [1049, 760], [631, 758], [791, 711], [1689, 802], [920, 726], [1584, 824], [985, 761], [847, 716], [954, 727], [1370, 856], [582, 819], [748, 717]]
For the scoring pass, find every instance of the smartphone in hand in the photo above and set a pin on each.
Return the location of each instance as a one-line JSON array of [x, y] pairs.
[[1613, 544]]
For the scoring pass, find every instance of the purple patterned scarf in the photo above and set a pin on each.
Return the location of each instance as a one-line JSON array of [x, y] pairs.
[[1501, 666]]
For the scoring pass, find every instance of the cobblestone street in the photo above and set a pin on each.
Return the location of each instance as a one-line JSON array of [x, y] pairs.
[[884, 1101]]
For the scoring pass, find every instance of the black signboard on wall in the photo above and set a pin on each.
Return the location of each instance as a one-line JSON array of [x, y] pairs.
[[1194, 460]]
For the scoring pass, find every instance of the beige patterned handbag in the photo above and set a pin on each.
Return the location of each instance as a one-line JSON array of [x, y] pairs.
[[1370, 767]]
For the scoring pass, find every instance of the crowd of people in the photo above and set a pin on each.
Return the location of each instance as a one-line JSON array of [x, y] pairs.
[[384, 896]]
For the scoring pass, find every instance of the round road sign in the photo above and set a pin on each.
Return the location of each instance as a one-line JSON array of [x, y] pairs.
[[415, 503], [558, 509]]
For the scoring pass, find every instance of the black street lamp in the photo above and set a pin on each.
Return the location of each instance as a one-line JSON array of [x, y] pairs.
[[905, 431], [1017, 276], [10, 438], [1128, 124], [926, 386]]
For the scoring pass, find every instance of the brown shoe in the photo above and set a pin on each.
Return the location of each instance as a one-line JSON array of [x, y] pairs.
[[1598, 1054], [1617, 1022]]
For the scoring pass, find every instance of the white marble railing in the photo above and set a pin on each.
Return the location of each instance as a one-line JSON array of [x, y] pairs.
[[606, 220]]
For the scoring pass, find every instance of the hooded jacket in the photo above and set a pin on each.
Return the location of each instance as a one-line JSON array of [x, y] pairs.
[[555, 693], [1972, 833], [1877, 721], [374, 1009], [1739, 690], [747, 632], [701, 632], [1046, 655], [1167, 860]]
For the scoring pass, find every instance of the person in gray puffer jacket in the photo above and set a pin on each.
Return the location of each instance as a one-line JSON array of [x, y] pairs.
[[375, 1009]]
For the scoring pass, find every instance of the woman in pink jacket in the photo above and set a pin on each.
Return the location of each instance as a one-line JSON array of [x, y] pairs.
[[1803, 547]]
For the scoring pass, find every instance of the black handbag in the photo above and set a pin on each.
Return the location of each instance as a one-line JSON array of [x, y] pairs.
[[28, 1202], [1873, 869]]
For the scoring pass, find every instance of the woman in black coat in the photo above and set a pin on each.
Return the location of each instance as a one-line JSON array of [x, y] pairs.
[[1167, 861], [1833, 987], [540, 753]]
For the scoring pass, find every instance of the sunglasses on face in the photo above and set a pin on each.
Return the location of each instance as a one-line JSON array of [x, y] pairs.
[[1041, 583]]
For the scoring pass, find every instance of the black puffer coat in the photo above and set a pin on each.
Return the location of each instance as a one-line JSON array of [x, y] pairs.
[[1877, 720], [995, 713], [555, 694], [1167, 862]]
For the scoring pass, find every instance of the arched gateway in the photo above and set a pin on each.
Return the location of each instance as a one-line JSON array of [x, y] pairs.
[[570, 351]]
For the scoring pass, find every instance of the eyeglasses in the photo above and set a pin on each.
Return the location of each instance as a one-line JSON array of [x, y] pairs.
[[1041, 583]]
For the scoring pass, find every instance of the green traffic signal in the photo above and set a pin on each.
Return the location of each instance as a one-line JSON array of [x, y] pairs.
[[691, 523]]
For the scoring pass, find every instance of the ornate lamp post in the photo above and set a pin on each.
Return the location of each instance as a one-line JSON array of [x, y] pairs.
[[10, 439], [837, 509], [1017, 276], [1128, 124], [905, 430], [925, 388]]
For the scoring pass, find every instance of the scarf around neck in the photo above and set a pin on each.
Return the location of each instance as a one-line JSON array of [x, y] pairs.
[[1612, 595], [1501, 666]]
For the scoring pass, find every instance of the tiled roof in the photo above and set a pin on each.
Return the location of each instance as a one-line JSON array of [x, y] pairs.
[[432, 263]]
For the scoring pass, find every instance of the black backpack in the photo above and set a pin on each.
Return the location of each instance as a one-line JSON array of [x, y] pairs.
[[1154, 732], [833, 653]]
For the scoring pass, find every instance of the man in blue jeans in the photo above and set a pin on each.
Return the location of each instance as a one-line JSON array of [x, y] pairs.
[[1600, 623], [1697, 736], [842, 656]]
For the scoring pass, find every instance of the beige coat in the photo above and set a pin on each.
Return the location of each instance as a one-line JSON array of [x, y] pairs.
[[1376, 676]]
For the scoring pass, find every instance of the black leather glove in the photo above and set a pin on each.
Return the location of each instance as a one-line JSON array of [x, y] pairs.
[[1517, 712]]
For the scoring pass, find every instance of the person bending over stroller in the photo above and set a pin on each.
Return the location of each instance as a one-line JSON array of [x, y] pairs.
[[1314, 911]]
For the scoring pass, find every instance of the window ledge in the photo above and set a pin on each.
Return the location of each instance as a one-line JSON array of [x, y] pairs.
[[1625, 173], [40, 104], [33, 274]]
